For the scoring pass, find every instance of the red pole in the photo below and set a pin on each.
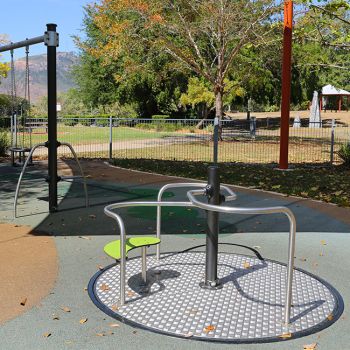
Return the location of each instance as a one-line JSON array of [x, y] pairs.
[[286, 83]]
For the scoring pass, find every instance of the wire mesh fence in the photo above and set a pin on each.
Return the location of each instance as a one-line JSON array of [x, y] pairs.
[[247, 141]]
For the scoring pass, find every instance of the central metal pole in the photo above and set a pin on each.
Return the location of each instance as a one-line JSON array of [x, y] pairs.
[[52, 143], [212, 239]]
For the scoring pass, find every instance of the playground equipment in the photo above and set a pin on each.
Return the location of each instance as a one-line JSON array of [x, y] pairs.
[[51, 40], [211, 295], [19, 145]]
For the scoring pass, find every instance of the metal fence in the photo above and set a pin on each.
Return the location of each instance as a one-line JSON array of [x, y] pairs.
[[248, 141]]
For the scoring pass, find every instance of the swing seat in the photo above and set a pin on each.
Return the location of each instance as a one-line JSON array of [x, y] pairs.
[[21, 151], [112, 249]]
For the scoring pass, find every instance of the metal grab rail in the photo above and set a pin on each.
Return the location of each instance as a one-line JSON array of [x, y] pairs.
[[269, 210], [25, 166], [195, 203], [232, 196]]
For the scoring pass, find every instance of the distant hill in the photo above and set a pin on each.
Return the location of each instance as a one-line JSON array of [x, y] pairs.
[[38, 75]]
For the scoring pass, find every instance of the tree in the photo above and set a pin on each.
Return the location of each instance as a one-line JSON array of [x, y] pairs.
[[201, 96], [151, 84], [205, 37]]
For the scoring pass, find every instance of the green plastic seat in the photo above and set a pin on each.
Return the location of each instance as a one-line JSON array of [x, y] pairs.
[[112, 249]]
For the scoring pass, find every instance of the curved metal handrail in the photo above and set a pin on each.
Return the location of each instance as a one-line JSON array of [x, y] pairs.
[[25, 166], [195, 203], [80, 169], [21, 176], [232, 196], [269, 210]]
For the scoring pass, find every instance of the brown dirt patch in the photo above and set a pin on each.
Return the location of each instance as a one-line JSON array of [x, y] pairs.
[[28, 269]]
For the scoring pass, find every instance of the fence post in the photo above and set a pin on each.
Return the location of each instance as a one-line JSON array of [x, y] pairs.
[[332, 141], [253, 127], [110, 138]]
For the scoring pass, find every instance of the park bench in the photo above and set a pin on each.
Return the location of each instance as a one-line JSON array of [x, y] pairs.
[[29, 126]]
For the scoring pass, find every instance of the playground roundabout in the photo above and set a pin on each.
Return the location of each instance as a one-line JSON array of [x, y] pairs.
[[249, 308]]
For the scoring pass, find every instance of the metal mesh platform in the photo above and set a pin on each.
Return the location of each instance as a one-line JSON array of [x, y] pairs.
[[249, 307]]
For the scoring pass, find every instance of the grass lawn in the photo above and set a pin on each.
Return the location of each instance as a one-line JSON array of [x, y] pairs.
[[329, 184], [261, 150], [79, 134]]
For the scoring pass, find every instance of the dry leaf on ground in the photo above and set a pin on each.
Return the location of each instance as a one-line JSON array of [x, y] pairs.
[[100, 334], [285, 335], [114, 325], [310, 346], [104, 287], [246, 265], [323, 242], [24, 301], [209, 328], [46, 335], [83, 320], [55, 317], [84, 237], [65, 309], [330, 317], [114, 307]]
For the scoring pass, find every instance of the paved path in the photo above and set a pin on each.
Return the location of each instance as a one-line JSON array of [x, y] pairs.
[[80, 234]]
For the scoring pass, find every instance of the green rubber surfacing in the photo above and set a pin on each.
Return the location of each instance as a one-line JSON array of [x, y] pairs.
[[112, 249]]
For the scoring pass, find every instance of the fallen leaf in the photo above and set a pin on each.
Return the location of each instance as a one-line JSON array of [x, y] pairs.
[[83, 320], [24, 301], [330, 317], [85, 289], [208, 329], [65, 309], [100, 334], [104, 287], [285, 335], [323, 242], [92, 216], [46, 335], [114, 307], [100, 267], [84, 237], [55, 317], [256, 247], [188, 335], [130, 293], [114, 325], [310, 346], [246, 265], [110, 333]]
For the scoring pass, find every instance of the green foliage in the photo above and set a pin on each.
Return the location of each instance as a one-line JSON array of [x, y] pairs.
[[4, 142], [344, 154], [160, 117]]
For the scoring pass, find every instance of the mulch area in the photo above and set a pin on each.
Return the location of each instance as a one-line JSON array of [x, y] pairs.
[[28, 269]]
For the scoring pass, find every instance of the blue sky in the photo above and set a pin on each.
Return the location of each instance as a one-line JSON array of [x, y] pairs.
[[22, 19]]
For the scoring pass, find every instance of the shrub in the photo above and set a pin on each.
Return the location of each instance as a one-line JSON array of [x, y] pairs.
[[4, 142], [70, 120], [344, 154], [160, 117]]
